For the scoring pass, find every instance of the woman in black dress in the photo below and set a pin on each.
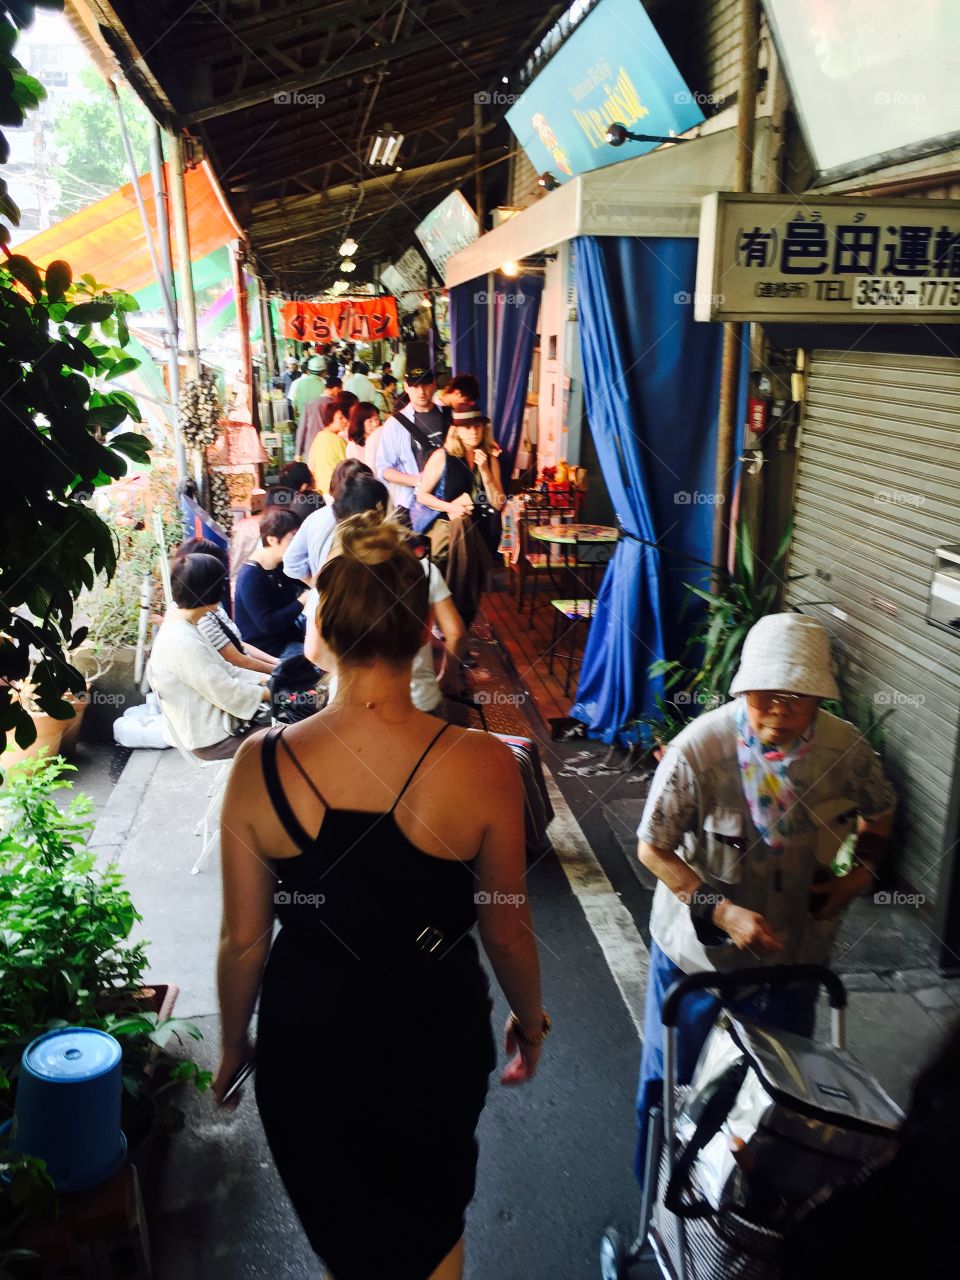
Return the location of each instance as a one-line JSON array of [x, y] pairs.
[[366, 831]]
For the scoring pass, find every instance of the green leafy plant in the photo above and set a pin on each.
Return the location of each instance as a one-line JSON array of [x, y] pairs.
[[66, 954], [700, 678], [61, 346]]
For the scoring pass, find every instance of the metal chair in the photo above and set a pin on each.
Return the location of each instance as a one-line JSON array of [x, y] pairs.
[[585, 570], [537, 560]]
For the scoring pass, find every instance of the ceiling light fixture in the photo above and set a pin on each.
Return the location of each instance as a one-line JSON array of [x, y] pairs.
[[510, 269], [349, 247], [384, 149], [348, 265]]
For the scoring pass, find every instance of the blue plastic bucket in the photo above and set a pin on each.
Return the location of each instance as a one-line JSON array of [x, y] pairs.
[[67, 1109]]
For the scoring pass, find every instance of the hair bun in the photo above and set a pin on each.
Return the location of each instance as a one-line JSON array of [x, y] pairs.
[[369, 538]]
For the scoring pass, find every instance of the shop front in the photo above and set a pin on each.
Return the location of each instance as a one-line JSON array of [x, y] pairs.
[[865, 295]]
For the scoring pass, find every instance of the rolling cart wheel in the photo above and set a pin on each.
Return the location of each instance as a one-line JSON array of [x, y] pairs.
[[613, 1256]]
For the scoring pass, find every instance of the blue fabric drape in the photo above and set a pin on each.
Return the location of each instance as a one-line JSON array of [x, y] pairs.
[[651, 380], [468, 332], [518, 305]]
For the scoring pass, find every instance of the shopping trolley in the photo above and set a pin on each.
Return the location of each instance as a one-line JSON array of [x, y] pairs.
[[687, 1241]]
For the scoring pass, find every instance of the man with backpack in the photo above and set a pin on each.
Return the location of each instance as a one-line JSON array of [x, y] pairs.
[[409, 437]]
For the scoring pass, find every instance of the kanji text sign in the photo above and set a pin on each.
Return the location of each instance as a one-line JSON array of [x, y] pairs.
[[836, 258]]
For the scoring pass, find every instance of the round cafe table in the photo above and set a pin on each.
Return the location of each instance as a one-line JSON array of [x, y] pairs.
[[568, 534]]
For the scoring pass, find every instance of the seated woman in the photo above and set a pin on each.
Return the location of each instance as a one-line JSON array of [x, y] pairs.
[[267, 604], [210, 705], [217, 626], [294, 490], [363, 495]]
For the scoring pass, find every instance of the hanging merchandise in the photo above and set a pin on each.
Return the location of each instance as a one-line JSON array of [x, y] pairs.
[[199, 411], [221, 507]]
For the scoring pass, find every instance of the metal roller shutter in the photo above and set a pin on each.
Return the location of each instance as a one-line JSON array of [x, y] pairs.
[[878, 490]]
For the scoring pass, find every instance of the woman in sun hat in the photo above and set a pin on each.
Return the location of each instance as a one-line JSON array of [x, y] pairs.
[[745, 814]]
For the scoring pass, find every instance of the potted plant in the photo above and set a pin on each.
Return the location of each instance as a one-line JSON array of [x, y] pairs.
[[700, 678], [66, 954], [111, 612], [62, 343]]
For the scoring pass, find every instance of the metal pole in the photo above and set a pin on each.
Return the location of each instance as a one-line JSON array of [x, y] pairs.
[[491, 337], [478, 164], [171, 334], [243, 324], [181, 227], [181, 458], [269, 337], [732, 332]]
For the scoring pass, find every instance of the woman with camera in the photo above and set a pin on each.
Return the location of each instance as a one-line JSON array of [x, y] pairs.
[[460, 492]]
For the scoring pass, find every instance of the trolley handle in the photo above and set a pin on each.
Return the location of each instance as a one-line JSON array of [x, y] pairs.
[[728, 983]]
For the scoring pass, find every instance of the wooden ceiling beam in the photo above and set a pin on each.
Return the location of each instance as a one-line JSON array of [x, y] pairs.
[[342, 68]]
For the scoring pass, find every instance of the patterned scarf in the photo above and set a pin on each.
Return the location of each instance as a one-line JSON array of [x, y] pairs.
[[765, 774]]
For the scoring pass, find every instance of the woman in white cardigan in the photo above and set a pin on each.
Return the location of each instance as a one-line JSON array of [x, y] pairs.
[[210, 704]]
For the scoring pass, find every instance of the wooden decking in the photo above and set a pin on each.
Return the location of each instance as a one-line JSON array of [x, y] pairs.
[[528, 647]]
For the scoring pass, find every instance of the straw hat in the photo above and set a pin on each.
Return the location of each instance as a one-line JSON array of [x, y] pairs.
[[788, 652]]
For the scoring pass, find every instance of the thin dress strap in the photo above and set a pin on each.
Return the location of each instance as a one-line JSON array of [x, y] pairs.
[[300, 769], [430, 745], [278, 797]]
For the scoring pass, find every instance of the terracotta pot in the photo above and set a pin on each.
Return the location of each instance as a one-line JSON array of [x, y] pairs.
[[49, 735], [71, 732]]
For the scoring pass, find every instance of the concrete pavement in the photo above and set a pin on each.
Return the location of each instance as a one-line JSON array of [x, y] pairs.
[[556, 1157]]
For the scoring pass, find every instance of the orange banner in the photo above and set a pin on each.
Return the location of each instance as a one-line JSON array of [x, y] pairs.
[[362, 320]]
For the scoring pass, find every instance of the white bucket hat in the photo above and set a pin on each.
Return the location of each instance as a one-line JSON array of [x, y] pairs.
[[788, 652]]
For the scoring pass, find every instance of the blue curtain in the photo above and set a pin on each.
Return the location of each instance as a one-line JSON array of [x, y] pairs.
[[651, 380], [518, 305], [468, 331]]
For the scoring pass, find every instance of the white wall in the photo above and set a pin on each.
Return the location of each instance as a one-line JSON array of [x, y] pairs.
[[561, 388]]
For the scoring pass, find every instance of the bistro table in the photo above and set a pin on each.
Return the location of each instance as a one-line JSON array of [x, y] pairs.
[[568, 534]]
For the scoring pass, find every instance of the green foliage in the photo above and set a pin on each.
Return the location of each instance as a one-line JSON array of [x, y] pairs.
[[88, 135], [66, 954], [701, 677], [61, 342], [64, 923]]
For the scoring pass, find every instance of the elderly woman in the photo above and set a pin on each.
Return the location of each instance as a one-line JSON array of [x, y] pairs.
[[745, 815]]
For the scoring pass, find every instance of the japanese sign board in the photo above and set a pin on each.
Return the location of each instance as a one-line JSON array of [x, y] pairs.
[[831, 259], [614, 68], [356, 320]]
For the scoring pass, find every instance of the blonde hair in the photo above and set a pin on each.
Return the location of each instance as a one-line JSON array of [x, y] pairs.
[[454, 445], [374, 595]]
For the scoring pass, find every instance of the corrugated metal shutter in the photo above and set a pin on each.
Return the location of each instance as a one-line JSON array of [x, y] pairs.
[[704, 40], [878, 489]]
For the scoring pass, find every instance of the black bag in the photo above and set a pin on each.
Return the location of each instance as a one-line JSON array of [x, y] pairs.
[[296, 691]]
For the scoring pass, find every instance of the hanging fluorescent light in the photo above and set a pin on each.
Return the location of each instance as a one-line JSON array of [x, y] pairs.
[[349, 247], [348, 265], [384, 149]]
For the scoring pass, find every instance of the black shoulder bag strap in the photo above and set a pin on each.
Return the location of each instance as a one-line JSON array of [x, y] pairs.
[[712, 1117]]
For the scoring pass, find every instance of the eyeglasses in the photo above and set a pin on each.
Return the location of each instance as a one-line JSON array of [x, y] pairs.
[[764, 700]]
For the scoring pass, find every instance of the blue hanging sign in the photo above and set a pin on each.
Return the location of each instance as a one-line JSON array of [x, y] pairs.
[[613, 69]]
